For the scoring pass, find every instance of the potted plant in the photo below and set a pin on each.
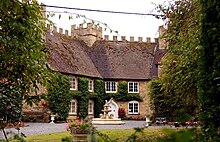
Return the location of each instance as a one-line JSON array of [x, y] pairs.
[[148, 117], [80, 129]]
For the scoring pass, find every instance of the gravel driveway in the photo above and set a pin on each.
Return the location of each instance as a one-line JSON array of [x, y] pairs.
[[45, 128]]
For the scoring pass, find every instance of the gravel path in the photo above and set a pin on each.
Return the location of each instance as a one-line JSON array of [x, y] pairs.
[[45, 128]]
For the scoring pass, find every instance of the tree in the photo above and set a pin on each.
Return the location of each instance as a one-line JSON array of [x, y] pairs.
[[180, 66], [209, 85], [22, 55]]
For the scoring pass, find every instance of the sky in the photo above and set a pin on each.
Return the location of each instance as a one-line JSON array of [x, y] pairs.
[[126, 25]]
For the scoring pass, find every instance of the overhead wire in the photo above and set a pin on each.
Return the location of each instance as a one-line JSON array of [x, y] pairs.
[[103, 11]]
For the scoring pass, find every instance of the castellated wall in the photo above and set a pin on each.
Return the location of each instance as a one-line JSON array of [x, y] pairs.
[[90, 33]]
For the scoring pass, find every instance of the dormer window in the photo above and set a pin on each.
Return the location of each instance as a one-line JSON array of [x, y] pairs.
[[73, 84], [91, 84], [133, 87], [110, 87]]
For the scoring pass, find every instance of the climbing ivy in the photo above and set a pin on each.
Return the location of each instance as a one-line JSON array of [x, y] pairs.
[[59, 96], [123, 95], [99, 96]]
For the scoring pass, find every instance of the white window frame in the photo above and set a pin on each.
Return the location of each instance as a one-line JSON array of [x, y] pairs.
[[132, 86], [91, 104], [133, 105], [91, 85], [71, 107], [110, 84], [73, 83]]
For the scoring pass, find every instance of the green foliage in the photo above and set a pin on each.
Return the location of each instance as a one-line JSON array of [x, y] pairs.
[[209, 88], [82, 96], [23, 55], [58, 96], [99, 97], [166, 105], [180, 66], [67, 139], [180, 136], [123, 95], [83, 100]]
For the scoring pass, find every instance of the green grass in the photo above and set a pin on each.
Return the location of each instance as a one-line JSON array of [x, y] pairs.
[[120, 135], [54, 137]]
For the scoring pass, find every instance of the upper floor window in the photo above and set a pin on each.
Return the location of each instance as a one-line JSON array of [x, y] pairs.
[[133, 107], [133, 87], [73, 83], [73, 106], [110, 87], [91, 107], [91, 85]]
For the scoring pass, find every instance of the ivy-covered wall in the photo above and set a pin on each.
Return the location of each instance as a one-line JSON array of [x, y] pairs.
[[122, 93], [60, 95]]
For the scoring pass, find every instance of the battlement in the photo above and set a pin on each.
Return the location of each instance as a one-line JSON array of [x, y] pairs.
[[91, 33], [89, 29], [123, 39]]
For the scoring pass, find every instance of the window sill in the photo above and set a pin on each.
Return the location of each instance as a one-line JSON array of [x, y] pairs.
[[133, 92], [134, 113], [110, 91], [72, 113], [72, 89]]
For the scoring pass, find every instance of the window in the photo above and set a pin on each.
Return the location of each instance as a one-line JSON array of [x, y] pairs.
[[133, 87], [91, 107], [133, 107], [90, 85], [73, 106], [110, 87], [72, 83]]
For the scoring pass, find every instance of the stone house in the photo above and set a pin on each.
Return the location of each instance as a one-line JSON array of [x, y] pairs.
[[86, 54]]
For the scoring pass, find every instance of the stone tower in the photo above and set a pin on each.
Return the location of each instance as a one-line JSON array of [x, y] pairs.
[[89, 34], [162, 41]]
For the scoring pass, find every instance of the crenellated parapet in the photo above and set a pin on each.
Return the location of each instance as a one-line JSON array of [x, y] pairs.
[[88, 34], [92, 33], [131, 39]]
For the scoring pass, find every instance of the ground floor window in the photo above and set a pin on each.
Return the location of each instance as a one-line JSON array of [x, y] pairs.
[[91, 107], [133, 107], [73, 106]]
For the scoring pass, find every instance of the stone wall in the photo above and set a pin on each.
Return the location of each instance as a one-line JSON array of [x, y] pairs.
[[144, 106]]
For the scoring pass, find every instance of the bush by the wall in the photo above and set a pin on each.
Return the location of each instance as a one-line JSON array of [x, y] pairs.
[[58, 96]]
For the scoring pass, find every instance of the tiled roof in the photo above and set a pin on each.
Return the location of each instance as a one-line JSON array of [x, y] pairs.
[[105, 59], [122, 60], [67, 56]]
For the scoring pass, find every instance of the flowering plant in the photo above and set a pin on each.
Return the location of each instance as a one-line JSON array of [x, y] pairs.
[[80, 126]]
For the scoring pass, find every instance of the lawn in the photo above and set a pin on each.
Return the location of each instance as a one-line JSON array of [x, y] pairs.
[[149, 135]]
